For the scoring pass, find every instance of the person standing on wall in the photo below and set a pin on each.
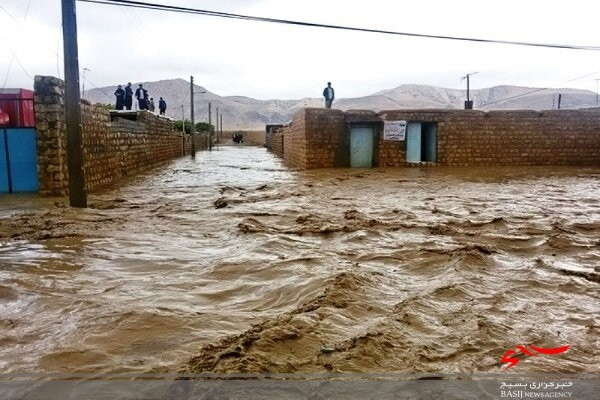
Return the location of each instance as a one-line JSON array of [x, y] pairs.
[[162, 106], [128, 96], [140, 96], [151, 106], [120, 95], [146, 100], [329, 95]]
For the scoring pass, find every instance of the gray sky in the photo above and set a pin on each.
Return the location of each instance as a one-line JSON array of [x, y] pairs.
[[232, 57]]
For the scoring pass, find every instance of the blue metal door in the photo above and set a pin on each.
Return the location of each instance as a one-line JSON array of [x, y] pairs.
[[361, 147], [413, 142], [4, 184], [19, 160]]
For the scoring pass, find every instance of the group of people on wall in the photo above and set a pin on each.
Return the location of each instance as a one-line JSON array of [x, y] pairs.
[[125, 99]]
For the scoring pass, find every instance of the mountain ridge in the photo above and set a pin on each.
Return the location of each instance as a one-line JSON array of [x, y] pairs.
[[244, 112]]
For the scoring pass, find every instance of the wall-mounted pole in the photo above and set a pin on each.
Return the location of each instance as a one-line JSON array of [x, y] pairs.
[[468, 103], [468, 87], [83, 81], [192, 128], [77, 194]]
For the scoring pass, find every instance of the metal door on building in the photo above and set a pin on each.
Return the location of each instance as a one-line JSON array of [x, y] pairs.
[[413, 142], [18, 160], [361, 147], [421, 142]]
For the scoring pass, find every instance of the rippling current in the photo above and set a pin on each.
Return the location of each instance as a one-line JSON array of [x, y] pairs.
[[233, 262]]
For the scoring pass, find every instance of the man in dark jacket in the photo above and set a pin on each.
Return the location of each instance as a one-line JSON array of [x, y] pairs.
[[329, 95], [128, 96], [162, 106], [141, 95], [120, 95]]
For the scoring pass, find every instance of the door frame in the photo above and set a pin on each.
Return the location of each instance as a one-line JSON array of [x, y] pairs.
[[423, 150], [375, 127]]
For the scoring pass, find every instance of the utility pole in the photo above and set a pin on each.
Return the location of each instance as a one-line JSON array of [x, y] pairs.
[[83, 82], [217, 125], [183, 129], [182, 120], [209, 125], [221, 124], [77, 194], [468, 103], [559, 100], [192, 128], [597, 79]]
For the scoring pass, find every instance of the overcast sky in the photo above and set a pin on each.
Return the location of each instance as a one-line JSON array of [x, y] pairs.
[[262, 60]]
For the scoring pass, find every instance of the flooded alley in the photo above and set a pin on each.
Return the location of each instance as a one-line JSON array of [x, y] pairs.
[[234, 263]]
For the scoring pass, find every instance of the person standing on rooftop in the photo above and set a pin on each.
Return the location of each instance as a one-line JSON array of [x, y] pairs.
[[128, 96], [120, 95], [162, 106], [151, 106], [329, 95], [141, 97]]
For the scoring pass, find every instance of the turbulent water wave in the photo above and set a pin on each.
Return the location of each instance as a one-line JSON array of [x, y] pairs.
[[232, 263]]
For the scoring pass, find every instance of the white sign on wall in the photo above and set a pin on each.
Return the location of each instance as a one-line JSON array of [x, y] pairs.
[[394, 130]]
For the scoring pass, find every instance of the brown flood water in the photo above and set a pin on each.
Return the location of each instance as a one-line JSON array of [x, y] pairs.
[[382, 270]]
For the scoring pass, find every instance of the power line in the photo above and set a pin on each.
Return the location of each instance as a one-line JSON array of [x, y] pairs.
[[9, 14], [99, 89], [14, 53], [16, 58], [134, 23], [538, 90], [186, 10]]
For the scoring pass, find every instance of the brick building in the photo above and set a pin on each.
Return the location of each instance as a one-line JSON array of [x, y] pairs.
[[326, 138]]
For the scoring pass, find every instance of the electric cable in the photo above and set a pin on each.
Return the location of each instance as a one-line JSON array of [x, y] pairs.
[[539, 89], [14, 53], [187, 10]]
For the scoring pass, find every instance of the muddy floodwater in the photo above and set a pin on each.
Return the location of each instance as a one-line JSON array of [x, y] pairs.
[[234, 263]]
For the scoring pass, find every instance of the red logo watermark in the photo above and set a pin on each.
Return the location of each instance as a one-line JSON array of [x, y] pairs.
[[531, 351]]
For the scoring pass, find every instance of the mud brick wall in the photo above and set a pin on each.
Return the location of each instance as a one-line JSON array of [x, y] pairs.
[[100, 148], [294, 141], [312, 139], [138, 151], [477, 138], [201, 139], [50, 135], [274, 141], [111, 149], [277, 142]]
